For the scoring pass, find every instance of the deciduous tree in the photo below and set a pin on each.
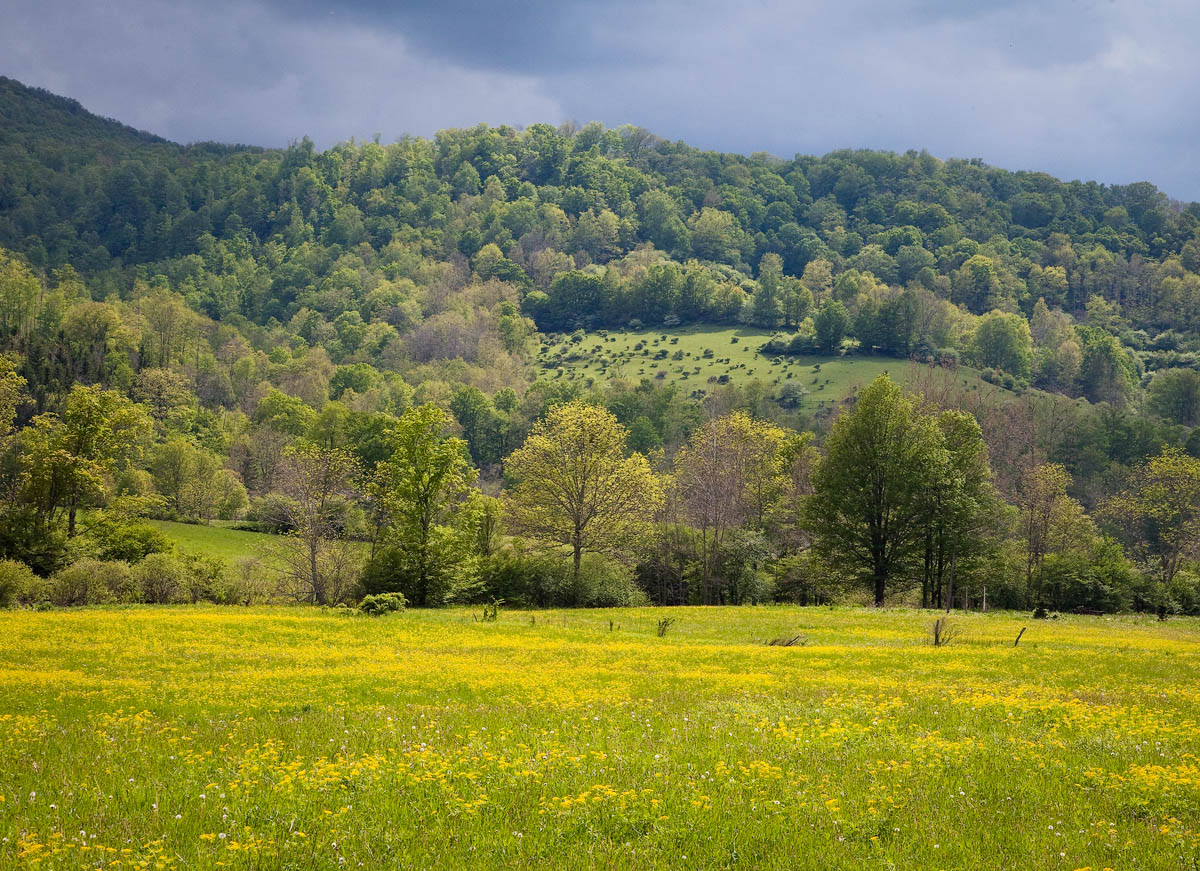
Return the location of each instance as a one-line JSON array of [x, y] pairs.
[[575, 486], [869, 505]]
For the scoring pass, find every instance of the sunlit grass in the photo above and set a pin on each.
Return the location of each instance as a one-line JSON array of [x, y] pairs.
[[298, 738], [826, 380], [214, 540]]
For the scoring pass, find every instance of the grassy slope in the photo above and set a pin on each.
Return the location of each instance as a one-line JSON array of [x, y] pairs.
[[230, 544], [826, 380], [265, 738]]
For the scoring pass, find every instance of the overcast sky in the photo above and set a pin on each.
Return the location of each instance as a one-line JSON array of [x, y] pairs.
[[1091, 89]]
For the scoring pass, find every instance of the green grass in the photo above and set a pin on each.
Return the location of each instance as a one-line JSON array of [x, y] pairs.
[[214, 540], [826, 380], [298, 738]]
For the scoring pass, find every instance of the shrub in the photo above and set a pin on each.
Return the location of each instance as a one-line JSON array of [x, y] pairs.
[[160, 579], [525, 579], [17, 583], [271, 513], [92, 582], [130, 542], [382, 603], [1183, 593], [247, 584], [204, 579]]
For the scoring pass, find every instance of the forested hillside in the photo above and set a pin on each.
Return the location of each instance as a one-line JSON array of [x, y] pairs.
[[199, 332]]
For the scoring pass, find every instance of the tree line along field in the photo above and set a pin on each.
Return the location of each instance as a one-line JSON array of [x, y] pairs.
[[699, 359], [287, 738]]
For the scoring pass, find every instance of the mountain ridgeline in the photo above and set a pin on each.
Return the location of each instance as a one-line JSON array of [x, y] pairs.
[[245, 320]]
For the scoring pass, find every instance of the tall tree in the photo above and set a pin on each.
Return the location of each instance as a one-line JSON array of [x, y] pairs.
[[426, 492], [727, 476], [869, 505], [101, 430], [318, 562], [1002, 341], [962, 506], [575, 486], [831, 323], [1158, 512], [1051, 521]]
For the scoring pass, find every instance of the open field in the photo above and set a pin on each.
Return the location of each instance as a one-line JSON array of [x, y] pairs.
[[289, 738], [214, 540], [826, 380]]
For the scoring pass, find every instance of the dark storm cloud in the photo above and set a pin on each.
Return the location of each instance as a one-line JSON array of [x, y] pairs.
[[1102, 89], [539, 35]]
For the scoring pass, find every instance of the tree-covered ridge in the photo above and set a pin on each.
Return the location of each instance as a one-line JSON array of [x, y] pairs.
[[87, 192]]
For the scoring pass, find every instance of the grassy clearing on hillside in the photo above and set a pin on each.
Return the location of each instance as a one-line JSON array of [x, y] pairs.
[[299, 738], [230, 544], [826, 380]]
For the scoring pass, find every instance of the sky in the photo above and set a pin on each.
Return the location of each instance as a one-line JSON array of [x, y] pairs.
[[1083, 89]]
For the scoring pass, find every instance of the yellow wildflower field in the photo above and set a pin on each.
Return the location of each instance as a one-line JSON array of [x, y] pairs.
[[290, 738]]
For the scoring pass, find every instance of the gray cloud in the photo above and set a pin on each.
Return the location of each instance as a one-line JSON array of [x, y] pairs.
[[243, 73], [1103, 89]]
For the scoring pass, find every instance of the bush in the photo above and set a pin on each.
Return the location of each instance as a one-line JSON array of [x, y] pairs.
[[204, 579], [18, 583], [248, 583], [522, 579], [382, 603], [130, 542], [1183, 593], [92, 582], [1101, 581], [160, 579], [271, 513]]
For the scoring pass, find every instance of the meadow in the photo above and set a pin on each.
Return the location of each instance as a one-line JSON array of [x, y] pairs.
[[700, 358], [212, 737], [215, 539]]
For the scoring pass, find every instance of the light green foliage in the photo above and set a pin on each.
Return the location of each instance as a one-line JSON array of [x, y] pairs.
[[11, 384], [98, 582], [1002, 341], [426, 494], [317, 562], [383, 603], [17, 583], [68, 461], [1106, 372], [1158, 511], [728, 478], [831, 324], [194, 484], [1174, 395], [575, 486]]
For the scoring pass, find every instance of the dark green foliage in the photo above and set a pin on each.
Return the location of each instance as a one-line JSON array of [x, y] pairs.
[[383, 603], [130, 542]]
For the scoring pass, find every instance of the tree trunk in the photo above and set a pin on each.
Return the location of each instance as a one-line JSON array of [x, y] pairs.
[[950, 591], [880, 584], [926, 579]]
